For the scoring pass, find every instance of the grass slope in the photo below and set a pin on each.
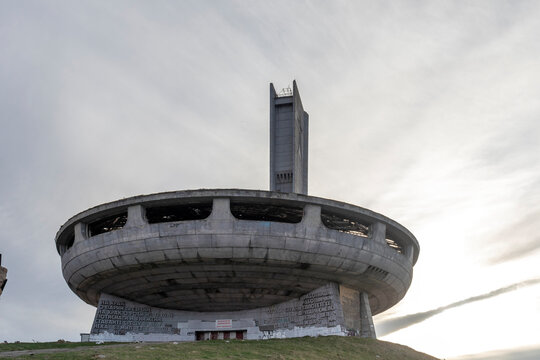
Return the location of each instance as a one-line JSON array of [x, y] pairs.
[[321, 348], [18, 346]]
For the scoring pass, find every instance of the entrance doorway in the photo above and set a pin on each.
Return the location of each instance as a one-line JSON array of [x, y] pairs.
[[220, 335]]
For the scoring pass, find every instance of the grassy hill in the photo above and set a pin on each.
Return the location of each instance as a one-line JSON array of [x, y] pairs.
[[321, 348]]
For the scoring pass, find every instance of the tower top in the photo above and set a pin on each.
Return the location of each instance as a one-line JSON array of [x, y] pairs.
[[289, 125]]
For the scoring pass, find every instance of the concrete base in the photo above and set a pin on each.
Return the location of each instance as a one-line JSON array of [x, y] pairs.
[[318, 313]]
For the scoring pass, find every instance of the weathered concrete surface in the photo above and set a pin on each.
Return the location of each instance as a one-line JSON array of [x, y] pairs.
[[225, 264], [319, 312], [350, 302], [289, 125], [367, 329]]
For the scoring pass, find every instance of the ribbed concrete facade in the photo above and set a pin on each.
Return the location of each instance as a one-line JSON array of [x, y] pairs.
[[235, 264]]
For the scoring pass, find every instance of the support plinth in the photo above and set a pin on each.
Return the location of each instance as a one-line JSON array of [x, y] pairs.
[[318, 313]]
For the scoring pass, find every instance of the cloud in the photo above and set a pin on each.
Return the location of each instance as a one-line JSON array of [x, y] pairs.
[[526, 353], [392, 325], [525, 240]]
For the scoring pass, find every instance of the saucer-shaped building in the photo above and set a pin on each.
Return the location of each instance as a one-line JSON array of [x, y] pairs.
[[231, 263]]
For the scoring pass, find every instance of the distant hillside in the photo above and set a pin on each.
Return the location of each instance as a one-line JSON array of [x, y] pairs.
[[321, 348]]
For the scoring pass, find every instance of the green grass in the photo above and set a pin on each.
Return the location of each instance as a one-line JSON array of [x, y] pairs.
[[45, 345], [321, 348]]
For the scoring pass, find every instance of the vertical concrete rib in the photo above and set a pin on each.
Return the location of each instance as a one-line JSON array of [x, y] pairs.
[[409, 252], [367, 329], [221, 209], [305, 154], [136, 217], [273, 96], [81, 232], [378, 232], [311, 221], [300, 146]]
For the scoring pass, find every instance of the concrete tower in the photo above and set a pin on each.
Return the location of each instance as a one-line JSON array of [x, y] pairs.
[[288, 142]]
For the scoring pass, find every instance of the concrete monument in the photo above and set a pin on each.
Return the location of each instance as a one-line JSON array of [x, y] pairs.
[[244, 264], [3, 276]]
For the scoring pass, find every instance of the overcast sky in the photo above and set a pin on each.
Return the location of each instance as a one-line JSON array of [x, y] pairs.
[[425, 111]]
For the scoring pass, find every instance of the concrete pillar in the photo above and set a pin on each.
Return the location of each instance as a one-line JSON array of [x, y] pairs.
[[350, 303], [367, 329], [136, 217], [221, 209], [409, 252], [378, 232], [311, 221], [81, 232]]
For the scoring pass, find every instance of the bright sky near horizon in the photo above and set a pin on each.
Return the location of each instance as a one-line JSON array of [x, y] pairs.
[[427, 112]]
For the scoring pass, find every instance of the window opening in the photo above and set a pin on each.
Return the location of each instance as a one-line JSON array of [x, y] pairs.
[[178, 212], [344, 224], [267, 212], [107, 224]]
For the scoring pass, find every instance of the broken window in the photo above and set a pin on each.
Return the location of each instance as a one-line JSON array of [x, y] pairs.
[[178, 212], [107, 224], [344, 224], [267, 212]]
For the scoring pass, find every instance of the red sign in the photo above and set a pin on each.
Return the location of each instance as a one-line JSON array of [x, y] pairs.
[[224, 324]]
